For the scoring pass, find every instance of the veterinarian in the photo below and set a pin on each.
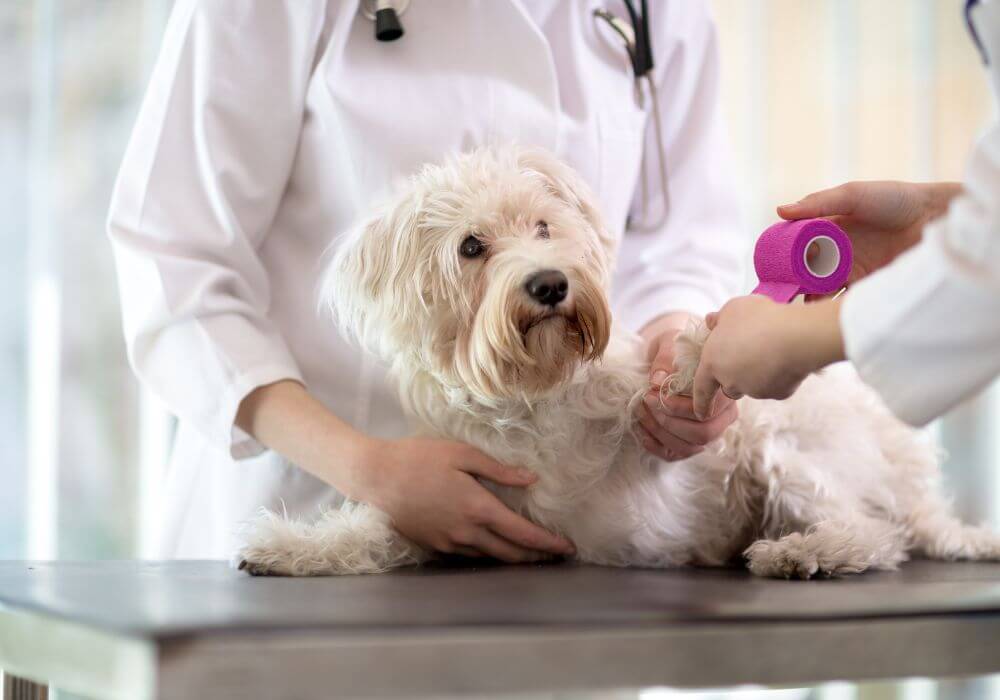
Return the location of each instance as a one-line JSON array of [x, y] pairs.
[[269, 127], [922, 324]]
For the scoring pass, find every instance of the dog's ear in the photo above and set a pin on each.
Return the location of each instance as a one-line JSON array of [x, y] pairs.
[[567, 184], [369, 283]]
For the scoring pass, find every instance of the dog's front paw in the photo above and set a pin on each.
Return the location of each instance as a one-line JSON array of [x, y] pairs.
[[687, 355], [273, 545], [265, 559], [785, 558], [256, 568], [353, 539]]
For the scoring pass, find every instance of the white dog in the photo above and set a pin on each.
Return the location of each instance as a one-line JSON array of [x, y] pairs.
[[484, 286]]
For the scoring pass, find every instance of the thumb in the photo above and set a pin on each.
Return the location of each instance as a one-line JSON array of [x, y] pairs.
[[705, 388], [662, 365], [836, 201], [478, 464]]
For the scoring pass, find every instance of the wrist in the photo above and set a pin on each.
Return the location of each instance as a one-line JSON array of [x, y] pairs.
[[367, 470], [817, 336], [287, 419]]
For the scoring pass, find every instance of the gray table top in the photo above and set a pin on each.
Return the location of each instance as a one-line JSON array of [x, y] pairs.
[[163, 630], [182, 598]]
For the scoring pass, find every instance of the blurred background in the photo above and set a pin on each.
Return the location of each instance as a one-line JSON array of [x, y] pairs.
[[816, 92]]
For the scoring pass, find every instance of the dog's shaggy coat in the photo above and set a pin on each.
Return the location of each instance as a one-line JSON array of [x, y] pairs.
[[827, 481]]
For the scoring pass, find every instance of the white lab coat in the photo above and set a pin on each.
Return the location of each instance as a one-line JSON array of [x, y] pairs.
[[269, 127], [925, 331]]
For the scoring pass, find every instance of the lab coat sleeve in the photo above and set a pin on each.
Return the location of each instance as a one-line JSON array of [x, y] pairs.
[[925, 331], [202, 176], [692, 261]]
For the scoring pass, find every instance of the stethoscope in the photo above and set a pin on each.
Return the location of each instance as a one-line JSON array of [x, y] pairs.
[[385, 14], [969, 5], [638, 45]]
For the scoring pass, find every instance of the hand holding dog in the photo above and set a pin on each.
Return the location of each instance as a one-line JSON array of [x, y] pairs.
[[765, 350], [671, 430], [430, 489]]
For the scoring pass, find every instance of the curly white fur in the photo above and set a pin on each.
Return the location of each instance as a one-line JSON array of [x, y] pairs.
[[355, 538], [824, 482], [687, 353]]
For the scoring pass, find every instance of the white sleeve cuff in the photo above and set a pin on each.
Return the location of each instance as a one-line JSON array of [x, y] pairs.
[[923, 333], [241, 444]]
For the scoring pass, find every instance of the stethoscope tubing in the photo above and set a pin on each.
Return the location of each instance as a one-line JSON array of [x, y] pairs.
[[638, 45]]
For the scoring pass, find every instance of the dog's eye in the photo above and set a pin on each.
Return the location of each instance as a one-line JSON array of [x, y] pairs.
[[472, 247], [543, 229]]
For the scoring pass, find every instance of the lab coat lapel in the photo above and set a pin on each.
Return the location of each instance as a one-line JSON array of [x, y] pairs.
[[453, 82], [531, 71]]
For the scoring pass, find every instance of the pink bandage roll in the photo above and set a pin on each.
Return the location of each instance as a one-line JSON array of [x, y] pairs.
[[809, 256]]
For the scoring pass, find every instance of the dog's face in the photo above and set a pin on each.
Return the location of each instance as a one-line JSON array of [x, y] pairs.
[[489, 272]]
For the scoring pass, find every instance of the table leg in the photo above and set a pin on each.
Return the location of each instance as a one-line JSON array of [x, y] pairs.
[[16, 688]]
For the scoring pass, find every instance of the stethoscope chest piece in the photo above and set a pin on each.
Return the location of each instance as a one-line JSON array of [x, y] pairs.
[[385, 14]]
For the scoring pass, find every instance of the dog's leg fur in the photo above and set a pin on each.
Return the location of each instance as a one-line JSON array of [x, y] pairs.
[[937, 534], [832, 548], [687, 355], [354, 539], [817, 538]]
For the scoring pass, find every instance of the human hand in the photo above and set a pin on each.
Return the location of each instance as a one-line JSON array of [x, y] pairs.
[[882, 219], [765, 350], [429, 489], [671, 430]]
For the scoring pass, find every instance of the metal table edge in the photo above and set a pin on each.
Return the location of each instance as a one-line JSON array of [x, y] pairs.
[[77, 657]]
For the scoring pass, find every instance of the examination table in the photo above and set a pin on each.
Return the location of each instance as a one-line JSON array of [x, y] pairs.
[[199, 629]]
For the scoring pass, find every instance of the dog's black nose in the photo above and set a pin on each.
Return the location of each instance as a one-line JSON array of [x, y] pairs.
[[547, 287]]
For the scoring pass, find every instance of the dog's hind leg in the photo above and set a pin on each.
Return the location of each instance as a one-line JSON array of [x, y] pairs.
[[355, 539], [832, 548], [937, 534]]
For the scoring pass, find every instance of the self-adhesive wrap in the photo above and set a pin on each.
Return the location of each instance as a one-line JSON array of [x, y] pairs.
[[787, 267]]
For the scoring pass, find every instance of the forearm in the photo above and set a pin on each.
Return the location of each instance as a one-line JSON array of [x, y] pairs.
[[285, 417], [814, 335]]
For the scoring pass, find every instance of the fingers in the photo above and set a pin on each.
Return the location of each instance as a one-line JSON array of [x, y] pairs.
[[661, 442], [675, 406], [731, 394], [711, 320], [497, 547], [651, 445], [517, 530], [664, 452], [662, 364], [836, 201], [695, 432], [683, 406], [705, 387], [475, 462]]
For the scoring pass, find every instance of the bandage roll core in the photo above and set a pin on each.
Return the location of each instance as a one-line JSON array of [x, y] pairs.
[[809, 256]]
